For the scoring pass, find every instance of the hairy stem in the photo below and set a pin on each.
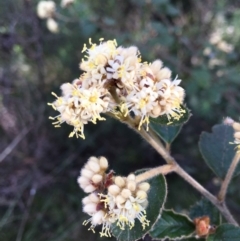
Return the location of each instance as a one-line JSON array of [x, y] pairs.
[[228, 178], [220, 205], [165, 169]]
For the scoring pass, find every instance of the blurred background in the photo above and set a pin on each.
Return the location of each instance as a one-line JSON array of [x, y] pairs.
[[39, 165]]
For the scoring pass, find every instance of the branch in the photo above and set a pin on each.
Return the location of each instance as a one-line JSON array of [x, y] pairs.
[[165, 169], [228, 178], [13, 144], [158, 146]]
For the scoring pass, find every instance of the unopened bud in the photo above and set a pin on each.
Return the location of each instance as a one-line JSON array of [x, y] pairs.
[[89, 188], [126, 193], [236, 126], [86, 200], [156, 111], [94, 166], [82, 181], [87, 173], [93, 159], [97, 217], [164, 73], [97, 178], [114, 190], [131, 177], [90, 208], [94, 198], [141, 194], [103, 163], [237, 135], [120, 199], [131, 186], [144, 186], [119, 181]]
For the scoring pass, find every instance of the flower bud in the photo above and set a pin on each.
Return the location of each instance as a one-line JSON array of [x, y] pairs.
[[156, 111], [97, 217], [131, 177], [114, 190], [89, 188], [131, 186], [86, 200], [119, 181], [90, 208], [164, 73], [94, 166], [83, 181], [97, 178], [94, 198], [120, 199], [141, 194], [144, 186], [126, 193], [86, 173], [237, 135], [236, 126], [103, 163], [93, 159], [156, 66]]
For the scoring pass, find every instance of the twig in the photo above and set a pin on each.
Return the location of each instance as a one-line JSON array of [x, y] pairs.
[[220, 206], [26, 214], [165, 169], [228, 178], [157, 145], [13, 144]]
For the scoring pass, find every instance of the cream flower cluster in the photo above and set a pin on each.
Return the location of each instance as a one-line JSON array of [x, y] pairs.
[[112, 199], [47, 10], [236, 127], [115, 80]]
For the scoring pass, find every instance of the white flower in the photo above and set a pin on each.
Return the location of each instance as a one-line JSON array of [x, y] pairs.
[[142, 103], [115, 80], [78, 106], [52, 25], [127, 200], [98, 54], [93, 174], [46, 9], [66, 3], [119, 200], [124, 67], [170, 98]]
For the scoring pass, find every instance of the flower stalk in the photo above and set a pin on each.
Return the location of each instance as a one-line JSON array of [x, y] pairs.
[[228, 178], [165, 169]]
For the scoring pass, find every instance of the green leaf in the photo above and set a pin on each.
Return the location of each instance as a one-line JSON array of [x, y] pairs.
[[172, 225], [156, 198], [167, 133], [225, 232], [205, 208], [217, 150], [165, 120]]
